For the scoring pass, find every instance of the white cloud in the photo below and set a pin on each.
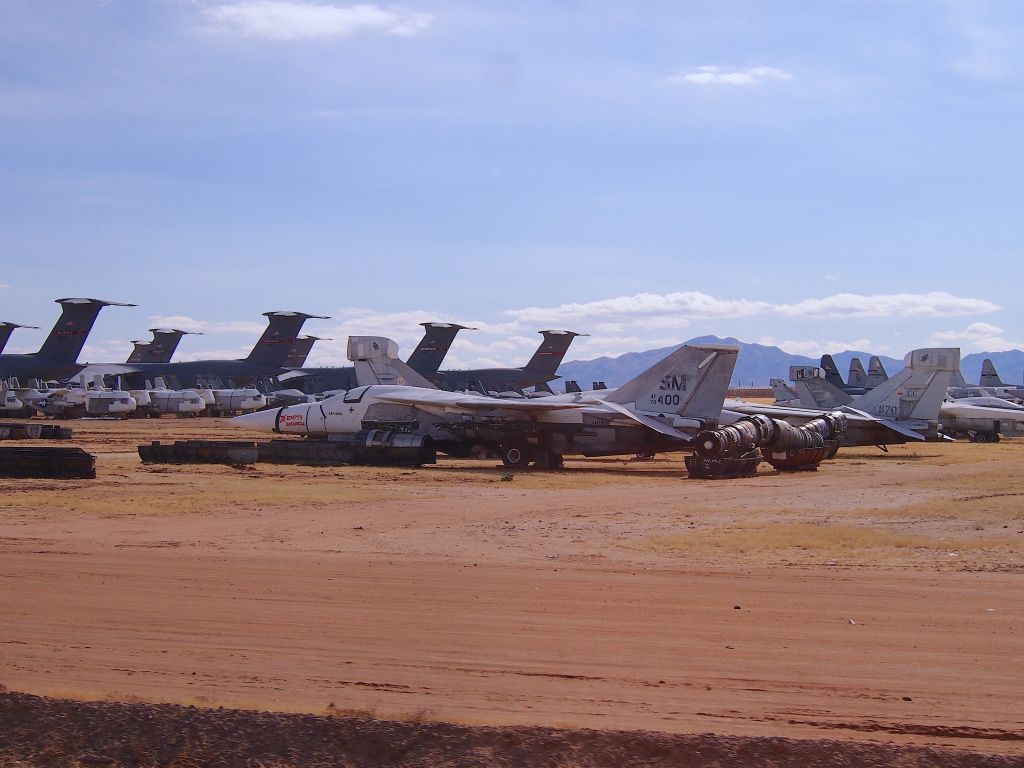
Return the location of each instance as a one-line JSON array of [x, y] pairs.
[[817, 347], [185, 323], [710, 75], [4, 285], [934, 304], [976, 337], [661, 310], [303, 20]]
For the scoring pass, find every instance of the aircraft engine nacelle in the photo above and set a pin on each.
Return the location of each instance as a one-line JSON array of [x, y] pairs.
[[111, 402], [732, 451]]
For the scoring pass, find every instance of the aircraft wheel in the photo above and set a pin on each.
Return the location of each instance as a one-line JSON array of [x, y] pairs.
[[515, 455], [981, 437]]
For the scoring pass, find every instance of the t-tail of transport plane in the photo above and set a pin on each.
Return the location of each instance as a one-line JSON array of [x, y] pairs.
[[278, 339], [300, 351], [549, 355], [65, 342], [989, 376], [437, 339], [6, 329], [858, 376], [161, 349]]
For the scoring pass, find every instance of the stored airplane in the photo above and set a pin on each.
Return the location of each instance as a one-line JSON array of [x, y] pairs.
[[58, 357], [266, 360], [983, 419], [160, 349], [903, 407], [662, 409], [426, 359], [6, 329]]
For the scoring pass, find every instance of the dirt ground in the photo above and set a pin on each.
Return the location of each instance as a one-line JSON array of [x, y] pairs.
[[878, 599]]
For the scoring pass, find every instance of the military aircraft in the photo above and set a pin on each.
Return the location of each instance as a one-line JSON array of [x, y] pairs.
[[905, 407], [833, 377], [661, 409], [300, 350], [991, 381], [876, 372], [426, 358], [77, 399], [58, 357], [6, 329], [858, 377], [264, 361], [541, 368], [160, 349], [983, 419]]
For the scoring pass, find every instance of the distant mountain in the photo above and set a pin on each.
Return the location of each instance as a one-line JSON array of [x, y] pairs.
[[758, 364]]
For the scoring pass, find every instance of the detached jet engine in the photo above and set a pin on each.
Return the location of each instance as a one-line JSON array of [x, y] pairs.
[[732, 451]]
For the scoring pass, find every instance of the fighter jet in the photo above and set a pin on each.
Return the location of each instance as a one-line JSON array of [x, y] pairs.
[[662, 409], [160, 349], [983, 419], [833, 377], [991, 381], [266, 360], [905, 407], [858, 376], [6, 329], [426, 359], [58, 357], [876, 372]]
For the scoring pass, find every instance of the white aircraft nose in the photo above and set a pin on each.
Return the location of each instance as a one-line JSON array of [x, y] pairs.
[[262, 421]]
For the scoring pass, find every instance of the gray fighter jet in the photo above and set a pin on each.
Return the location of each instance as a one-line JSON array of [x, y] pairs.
[[904, 407], [991, 381], [662, 409], [160, 349], [58, 357]]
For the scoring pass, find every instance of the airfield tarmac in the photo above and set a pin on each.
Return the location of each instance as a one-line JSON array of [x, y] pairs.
[[877, 599]]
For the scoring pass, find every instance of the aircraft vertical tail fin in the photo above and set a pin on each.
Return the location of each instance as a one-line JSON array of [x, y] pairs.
[[916, 392], [6, 329], [832, 375], [782, 392], [66, 339], [549, 354], [989, 376], [858, 376], [277, 340], [138, 351], [300, 351], [814, 390], [876, 372], [572, 386], [691, 382], [437, 339], [376, 362]]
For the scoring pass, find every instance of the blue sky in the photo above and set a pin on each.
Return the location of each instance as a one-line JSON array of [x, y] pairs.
[[814, 175]]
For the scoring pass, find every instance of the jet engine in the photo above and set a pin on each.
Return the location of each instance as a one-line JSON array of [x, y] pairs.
[[732, 451]]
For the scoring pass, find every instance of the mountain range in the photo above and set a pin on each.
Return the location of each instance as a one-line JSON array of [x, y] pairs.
[[758, 364]]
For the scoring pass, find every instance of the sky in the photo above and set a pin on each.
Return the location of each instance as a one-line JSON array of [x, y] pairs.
[[818, 176]]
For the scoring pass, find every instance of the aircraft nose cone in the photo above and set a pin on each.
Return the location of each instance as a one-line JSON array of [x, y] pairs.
[[262, 421]]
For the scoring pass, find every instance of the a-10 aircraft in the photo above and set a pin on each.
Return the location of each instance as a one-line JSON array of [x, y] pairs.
[[58, 357], [662, 409]]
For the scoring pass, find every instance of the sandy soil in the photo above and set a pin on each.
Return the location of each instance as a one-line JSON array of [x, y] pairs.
[[878, 599]]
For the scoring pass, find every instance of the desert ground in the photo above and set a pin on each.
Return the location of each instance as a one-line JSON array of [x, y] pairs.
[[878, 600]]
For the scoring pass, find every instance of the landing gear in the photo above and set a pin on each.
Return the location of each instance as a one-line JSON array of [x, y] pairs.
[[522, 455], [985, 437], [515, 456]]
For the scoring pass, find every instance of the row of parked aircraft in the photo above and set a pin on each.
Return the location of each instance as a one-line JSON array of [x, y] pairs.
[[984, 412], [664, 408]]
